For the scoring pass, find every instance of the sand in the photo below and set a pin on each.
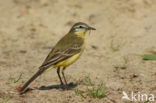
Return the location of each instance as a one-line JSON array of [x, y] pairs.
[[113, 53]]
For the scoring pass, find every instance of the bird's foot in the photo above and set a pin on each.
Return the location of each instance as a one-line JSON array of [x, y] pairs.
[[66, 87]]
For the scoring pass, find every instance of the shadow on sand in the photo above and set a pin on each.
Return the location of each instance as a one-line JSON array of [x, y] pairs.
[[69, 87]]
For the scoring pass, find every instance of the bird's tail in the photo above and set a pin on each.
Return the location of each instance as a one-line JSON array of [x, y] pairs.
[[40, 71]]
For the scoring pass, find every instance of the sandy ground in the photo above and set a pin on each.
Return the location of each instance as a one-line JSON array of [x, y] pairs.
[[126, 29]]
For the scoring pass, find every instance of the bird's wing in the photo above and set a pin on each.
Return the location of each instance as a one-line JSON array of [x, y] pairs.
[[59, 54]]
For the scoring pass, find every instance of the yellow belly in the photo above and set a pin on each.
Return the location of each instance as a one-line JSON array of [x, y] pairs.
[[68, 61]]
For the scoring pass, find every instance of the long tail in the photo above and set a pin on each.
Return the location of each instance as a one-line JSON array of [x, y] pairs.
[[39, 72]]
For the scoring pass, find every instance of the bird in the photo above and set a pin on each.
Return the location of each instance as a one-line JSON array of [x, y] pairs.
[[66, 51]]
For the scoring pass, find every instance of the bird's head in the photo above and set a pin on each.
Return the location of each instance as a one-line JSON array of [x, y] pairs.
[[81, 27]]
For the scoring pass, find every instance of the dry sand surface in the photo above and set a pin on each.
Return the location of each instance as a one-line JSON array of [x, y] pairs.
[[126, 29]]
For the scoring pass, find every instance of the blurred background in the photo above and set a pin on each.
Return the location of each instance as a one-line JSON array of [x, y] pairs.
[[126, 30]]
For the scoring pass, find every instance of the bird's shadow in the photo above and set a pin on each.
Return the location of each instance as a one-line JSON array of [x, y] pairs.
[[69, 86]]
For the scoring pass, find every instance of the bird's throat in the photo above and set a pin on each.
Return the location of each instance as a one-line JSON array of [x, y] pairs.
[[80, 34]]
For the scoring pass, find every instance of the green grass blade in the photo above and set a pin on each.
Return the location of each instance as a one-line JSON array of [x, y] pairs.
[[78, 92], [149, 57], [16, 80]]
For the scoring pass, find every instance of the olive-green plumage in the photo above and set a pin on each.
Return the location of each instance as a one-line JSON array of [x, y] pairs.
[[64, 49]]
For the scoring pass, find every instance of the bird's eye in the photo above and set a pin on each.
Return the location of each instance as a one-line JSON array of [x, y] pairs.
[[80, 26]]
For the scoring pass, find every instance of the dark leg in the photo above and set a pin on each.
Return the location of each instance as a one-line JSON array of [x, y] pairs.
[[58, 72], [64, 76]]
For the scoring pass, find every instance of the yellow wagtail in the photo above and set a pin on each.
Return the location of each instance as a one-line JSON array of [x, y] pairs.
[[64, 53]]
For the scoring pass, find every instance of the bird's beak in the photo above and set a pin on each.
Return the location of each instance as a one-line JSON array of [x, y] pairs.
[[91, 28]]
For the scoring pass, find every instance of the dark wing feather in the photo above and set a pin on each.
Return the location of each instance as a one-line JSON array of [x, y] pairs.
[[58, 57]]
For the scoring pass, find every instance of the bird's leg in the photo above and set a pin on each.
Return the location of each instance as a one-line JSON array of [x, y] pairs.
[[64, 76], [58, 72]]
